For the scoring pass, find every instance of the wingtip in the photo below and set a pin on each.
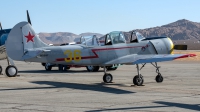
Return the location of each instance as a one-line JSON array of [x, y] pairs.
[[192, 55], [186, 56]]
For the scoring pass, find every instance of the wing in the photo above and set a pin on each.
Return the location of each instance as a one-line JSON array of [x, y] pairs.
[[137, 59]]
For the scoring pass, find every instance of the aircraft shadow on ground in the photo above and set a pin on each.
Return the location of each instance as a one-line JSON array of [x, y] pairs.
[[91, 87], [180, 105], [195, 107], [55, 71]]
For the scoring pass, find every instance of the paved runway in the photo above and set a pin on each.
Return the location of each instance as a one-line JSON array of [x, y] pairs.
[[78, 90]]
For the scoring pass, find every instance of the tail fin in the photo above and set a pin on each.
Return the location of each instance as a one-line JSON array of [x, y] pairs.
[[21, 39], [1, 26]]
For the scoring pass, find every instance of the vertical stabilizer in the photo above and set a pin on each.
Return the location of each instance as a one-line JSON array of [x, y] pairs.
[[22, 38]]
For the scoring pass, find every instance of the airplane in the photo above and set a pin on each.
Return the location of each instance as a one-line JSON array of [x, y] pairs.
[[3, 37], [24, 45]]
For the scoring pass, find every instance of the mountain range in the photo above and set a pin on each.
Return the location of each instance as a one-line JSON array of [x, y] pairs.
[[179, 30]]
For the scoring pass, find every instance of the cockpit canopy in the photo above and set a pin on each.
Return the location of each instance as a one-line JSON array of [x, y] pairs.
[[136, 37], [115, 37], [90, 40]]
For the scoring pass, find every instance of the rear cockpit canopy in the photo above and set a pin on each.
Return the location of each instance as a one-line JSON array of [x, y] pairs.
[[115, 37], [90, 40], [136, 37]]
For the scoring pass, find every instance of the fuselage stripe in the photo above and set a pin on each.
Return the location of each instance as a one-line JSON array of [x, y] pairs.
[[95, 54]]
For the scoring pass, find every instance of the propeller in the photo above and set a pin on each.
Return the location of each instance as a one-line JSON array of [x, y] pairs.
[[180, 47], [28, 17], [1, 26]]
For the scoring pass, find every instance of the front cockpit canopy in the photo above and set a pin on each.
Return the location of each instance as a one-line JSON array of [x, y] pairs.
[[136, 37], [115, 37]]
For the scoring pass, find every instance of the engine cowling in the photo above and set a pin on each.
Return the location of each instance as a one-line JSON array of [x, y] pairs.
[[163, 45]]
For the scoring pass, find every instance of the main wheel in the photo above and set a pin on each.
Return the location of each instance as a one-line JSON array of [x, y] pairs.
[[159, 78], [11, 71], [92, 68], [48, 67], [60, 67], [107, 78], [1, 69], [138, 80], [66, 67]]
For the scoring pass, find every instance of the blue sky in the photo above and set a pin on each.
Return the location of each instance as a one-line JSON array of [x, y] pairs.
[[99, 16]]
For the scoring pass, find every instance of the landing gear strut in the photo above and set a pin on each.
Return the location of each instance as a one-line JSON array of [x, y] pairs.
[[1, 70], [138, 79], [159, 77], [107, 78]]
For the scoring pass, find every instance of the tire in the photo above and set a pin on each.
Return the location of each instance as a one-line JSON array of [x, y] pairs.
[[43, 64], [11, 71], [159, 78], [48, 67], [1, 69], [66, 67], [60, 67], [138, 81], [107, 78], [92, 68]]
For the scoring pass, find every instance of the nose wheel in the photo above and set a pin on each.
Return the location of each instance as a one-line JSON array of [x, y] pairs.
[[159, 78]]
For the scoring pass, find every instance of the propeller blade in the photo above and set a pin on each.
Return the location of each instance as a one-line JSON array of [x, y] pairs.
[[180, 47], [28, 17], [1, 26]]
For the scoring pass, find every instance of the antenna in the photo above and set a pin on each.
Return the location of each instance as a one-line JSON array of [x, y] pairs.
[[1, 26], [28, 17]]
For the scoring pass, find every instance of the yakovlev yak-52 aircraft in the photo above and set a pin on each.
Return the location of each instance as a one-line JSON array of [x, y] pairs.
[[3, 37], [24, 45]]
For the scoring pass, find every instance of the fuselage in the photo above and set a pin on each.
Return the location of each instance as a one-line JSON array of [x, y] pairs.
[[98, 55]]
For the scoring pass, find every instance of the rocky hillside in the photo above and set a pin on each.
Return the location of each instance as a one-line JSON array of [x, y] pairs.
[[63, 37], [179, 30]]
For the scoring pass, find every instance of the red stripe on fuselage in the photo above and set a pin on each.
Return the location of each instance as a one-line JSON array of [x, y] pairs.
[[95, 54]]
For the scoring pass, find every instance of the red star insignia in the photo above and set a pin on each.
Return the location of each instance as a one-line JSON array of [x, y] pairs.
[[30, 37]]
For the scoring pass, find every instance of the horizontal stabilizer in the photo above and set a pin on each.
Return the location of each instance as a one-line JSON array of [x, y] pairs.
[[33, 53], [180, 47]]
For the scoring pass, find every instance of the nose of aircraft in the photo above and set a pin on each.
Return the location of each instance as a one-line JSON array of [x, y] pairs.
[[170, 45]]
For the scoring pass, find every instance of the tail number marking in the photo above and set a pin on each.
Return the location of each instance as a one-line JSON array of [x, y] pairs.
[[76, 55]]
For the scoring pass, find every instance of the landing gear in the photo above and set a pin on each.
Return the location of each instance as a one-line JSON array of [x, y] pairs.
[[11, 71], [111, 67], [92, 68], [159, 78], [107, 78], [1, 69], [48, 67], [138, 79]]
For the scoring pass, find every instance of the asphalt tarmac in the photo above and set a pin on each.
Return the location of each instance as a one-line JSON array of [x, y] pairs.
[[78, 90]]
